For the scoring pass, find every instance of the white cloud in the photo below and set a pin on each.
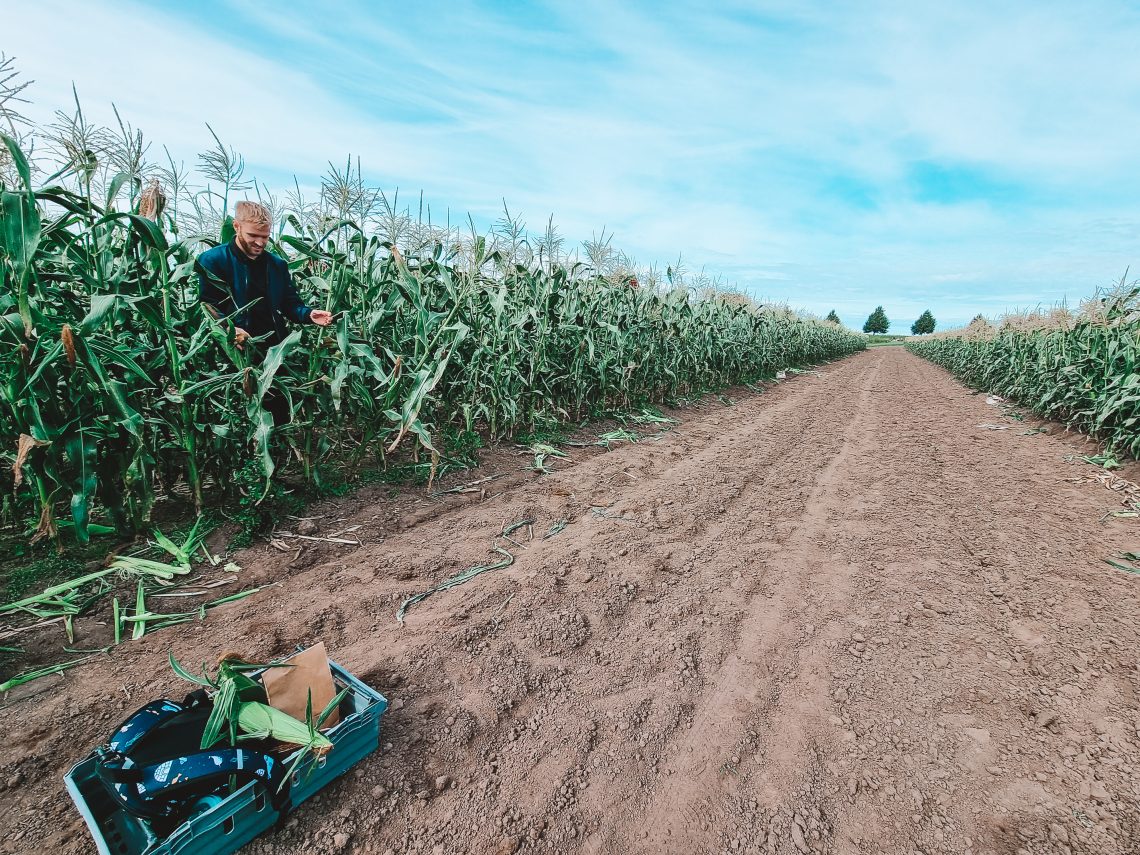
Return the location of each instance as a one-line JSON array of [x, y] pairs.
[[718, 134]]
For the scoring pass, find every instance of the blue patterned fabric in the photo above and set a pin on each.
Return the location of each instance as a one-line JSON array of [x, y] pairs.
[[167, 786]]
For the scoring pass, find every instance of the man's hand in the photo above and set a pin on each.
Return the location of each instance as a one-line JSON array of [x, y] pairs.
[[320, 317], [240, 336]]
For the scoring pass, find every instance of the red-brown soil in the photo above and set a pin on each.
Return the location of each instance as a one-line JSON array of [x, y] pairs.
[[839, 617]]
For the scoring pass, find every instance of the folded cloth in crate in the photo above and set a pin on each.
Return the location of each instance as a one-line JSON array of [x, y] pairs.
[[154, 766]]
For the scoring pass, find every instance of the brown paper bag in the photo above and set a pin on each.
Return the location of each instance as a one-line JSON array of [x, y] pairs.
[[288, 688]]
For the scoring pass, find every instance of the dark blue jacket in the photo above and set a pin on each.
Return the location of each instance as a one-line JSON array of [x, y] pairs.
[[223, 285]]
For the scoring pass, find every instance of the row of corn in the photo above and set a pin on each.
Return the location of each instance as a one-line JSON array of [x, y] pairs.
[[1082, 370], [115, 388]]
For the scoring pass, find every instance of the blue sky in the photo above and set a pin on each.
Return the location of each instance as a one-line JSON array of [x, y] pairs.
[[963, 157]]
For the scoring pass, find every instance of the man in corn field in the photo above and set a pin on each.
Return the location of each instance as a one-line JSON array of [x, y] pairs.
[[244, 281]]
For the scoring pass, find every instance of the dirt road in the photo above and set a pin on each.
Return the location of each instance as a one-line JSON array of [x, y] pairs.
[[839, 617]]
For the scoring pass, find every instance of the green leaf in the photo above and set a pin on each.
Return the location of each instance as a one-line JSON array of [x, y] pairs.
[[272, 363], [334, 704], [101, 305], [1127, 568], [186, 675], [140, 610], [263, 431], [20, 231], [81, 451], [29, 676], [227, 233], [225, 709], [116, 355], [171, 547], [116, 186], [81, 206], [21, 162]]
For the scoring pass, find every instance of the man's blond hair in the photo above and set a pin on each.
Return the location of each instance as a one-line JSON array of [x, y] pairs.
[[253, 213]]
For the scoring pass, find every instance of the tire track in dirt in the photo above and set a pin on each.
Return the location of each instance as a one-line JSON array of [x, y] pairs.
[[748, 689]]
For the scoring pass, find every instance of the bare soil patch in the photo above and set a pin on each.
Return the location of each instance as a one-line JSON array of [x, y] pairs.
[[839, 617]]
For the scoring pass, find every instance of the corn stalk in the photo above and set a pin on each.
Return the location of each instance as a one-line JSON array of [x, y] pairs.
[[116, 388]]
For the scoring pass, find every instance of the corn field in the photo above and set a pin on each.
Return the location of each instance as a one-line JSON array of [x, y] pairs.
[[117, 388], [1083, 371]]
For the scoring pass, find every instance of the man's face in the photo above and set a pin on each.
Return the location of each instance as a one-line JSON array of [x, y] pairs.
[[251, 237]]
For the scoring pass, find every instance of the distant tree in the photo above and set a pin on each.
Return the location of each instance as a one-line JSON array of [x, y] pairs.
[[924, 325], [834, 318], [877, 322]]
